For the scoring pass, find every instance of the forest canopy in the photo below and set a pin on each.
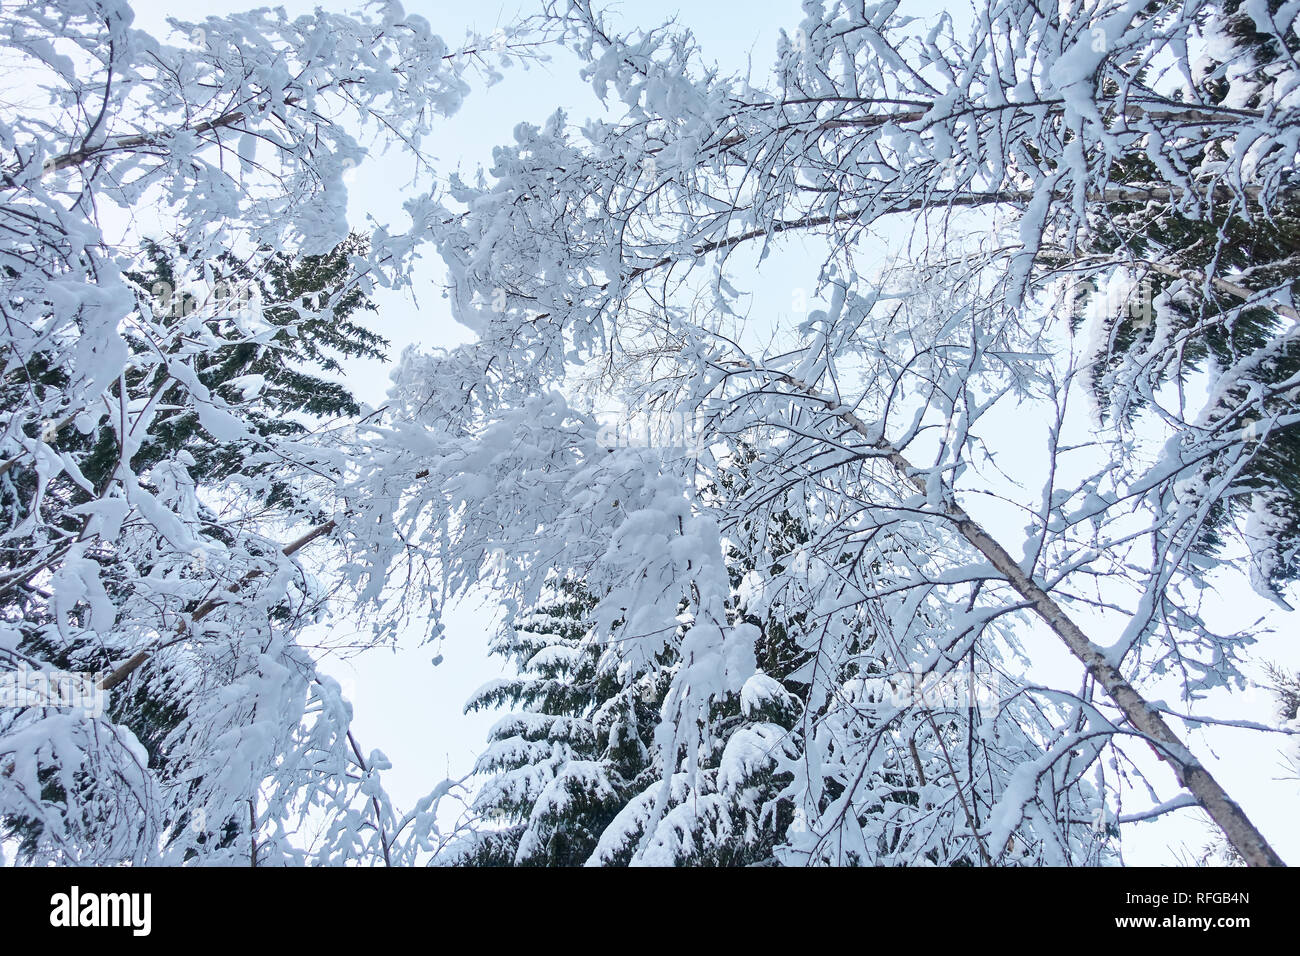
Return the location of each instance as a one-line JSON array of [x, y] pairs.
[[947, 559]]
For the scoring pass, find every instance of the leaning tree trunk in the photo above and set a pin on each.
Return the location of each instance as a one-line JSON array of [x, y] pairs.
[[1191, 773]]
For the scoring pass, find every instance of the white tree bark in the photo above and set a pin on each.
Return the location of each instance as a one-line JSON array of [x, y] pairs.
[[1243, 836]]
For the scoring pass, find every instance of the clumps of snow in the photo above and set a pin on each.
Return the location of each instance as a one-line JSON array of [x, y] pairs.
[[760, 690]]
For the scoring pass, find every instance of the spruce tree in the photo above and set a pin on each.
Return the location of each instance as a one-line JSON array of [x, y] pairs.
[[314, 309], [580, 751], [1177, 322], [579, 747]]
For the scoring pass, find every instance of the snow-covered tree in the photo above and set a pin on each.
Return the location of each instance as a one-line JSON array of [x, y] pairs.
[[267, 382], [576, 748], [1206, 282], [571, 770], [165, 441], [612, 261], [571, 778], [951, 472]]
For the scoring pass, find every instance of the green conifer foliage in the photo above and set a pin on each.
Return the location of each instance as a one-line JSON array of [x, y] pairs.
[[579, 747], [280, 386], [1180, 320], [580, 751]]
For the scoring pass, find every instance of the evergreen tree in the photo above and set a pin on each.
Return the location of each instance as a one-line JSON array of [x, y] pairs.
[[582, 750], [561, 768], [1194, 262], [314, 309], [314, 314]]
